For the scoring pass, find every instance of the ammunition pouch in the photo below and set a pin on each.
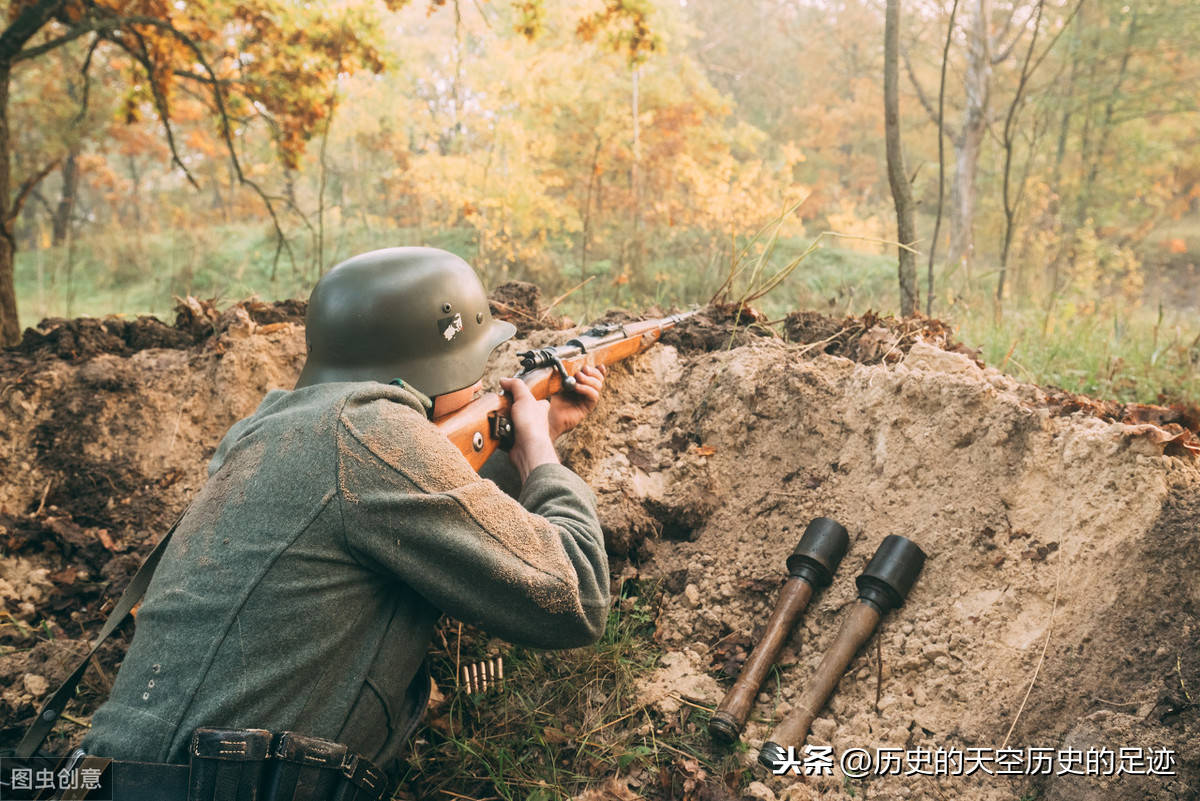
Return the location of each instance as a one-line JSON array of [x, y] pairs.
[[254, 765], [225, 765]]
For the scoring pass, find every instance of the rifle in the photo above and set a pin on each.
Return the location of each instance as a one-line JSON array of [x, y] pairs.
[[484, 424]]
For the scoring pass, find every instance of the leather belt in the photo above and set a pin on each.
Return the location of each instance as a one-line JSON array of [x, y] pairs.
[[225, 765], [149, 781]]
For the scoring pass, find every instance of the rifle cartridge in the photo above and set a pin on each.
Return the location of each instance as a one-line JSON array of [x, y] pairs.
[[883, 586], [810, 567]]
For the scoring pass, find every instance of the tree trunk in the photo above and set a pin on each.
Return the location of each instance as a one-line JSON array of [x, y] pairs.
[[897, 175], [10, 329], [970, 136], [586, 235], [135, 178], [61, 221], [1093, 160], [635, 180], [941, 132]]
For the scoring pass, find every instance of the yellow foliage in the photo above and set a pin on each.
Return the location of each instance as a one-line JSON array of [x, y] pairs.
[[846, 221]]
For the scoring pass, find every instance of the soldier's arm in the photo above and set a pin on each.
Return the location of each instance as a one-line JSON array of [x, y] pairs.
[[531, 570]]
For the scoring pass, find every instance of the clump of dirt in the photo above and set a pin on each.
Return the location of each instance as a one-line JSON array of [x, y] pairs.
[[871, 338], [1057, 531], [717, 327], [868, 339], [520, 303]]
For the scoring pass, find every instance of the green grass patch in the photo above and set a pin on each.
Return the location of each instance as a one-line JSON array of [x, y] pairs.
[[562, 720], [1083, 341]]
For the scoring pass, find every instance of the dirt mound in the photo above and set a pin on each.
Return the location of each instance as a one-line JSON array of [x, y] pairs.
[[195, 321], [868, 339], [1043, 532], [520, 303], [1057, 535]]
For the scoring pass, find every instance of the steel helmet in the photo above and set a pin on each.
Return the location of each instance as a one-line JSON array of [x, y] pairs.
[[418, 314]]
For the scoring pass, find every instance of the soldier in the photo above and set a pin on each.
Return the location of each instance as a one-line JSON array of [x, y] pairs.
[[301, 589]]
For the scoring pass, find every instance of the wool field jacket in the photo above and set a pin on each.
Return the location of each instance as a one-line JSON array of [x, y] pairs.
[[301, 588]]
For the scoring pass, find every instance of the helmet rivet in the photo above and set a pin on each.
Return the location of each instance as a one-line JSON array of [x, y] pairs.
[[479, 317], [446, 307], [477, 441]]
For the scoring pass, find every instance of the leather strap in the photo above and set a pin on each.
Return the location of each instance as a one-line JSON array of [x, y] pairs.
[[49, 713]]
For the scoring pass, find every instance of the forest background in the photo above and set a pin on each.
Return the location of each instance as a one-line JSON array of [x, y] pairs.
[[629, 152]]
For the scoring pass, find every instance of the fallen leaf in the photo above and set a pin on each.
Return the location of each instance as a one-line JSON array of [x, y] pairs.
[[66, 576], [555, 736], [271, 328], [1174, 439], [613, 789], [436, 696], [704, 450]]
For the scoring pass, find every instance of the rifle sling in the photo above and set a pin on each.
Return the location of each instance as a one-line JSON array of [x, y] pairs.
[[50, 712]]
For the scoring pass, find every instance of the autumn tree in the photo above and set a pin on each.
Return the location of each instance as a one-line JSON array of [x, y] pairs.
[[268, 61]]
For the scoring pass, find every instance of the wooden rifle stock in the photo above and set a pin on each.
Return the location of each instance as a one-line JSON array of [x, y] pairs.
[[484, 424]]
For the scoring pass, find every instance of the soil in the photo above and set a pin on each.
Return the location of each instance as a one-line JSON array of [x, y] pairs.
[[1062, 533], [521, 303]]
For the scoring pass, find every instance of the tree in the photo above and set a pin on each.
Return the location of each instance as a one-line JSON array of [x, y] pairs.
[[897, 175], [267, 62]]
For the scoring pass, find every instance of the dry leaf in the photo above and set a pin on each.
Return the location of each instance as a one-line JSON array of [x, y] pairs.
[[436, 696], [1174, 439], [271, 328], [704, 450], [613, 789], [555, 736]]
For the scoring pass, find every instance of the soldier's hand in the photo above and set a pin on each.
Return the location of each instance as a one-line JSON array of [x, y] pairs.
[[568, 408], [532, 443]]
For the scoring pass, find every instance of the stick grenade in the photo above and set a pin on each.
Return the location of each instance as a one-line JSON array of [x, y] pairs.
[[884, 585], [811, 566]]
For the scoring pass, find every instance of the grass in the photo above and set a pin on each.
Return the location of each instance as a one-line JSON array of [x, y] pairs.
[[562, 720], [1086, 342]]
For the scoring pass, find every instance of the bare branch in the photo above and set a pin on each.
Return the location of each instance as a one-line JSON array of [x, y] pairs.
[[1006, 50], [940, 121], [1054, 40], [218, 97], [85, 72], [37, 195], [1010, 203], [141, 55], [28, 22], [84, 27], [26, 187], [912, 77]]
